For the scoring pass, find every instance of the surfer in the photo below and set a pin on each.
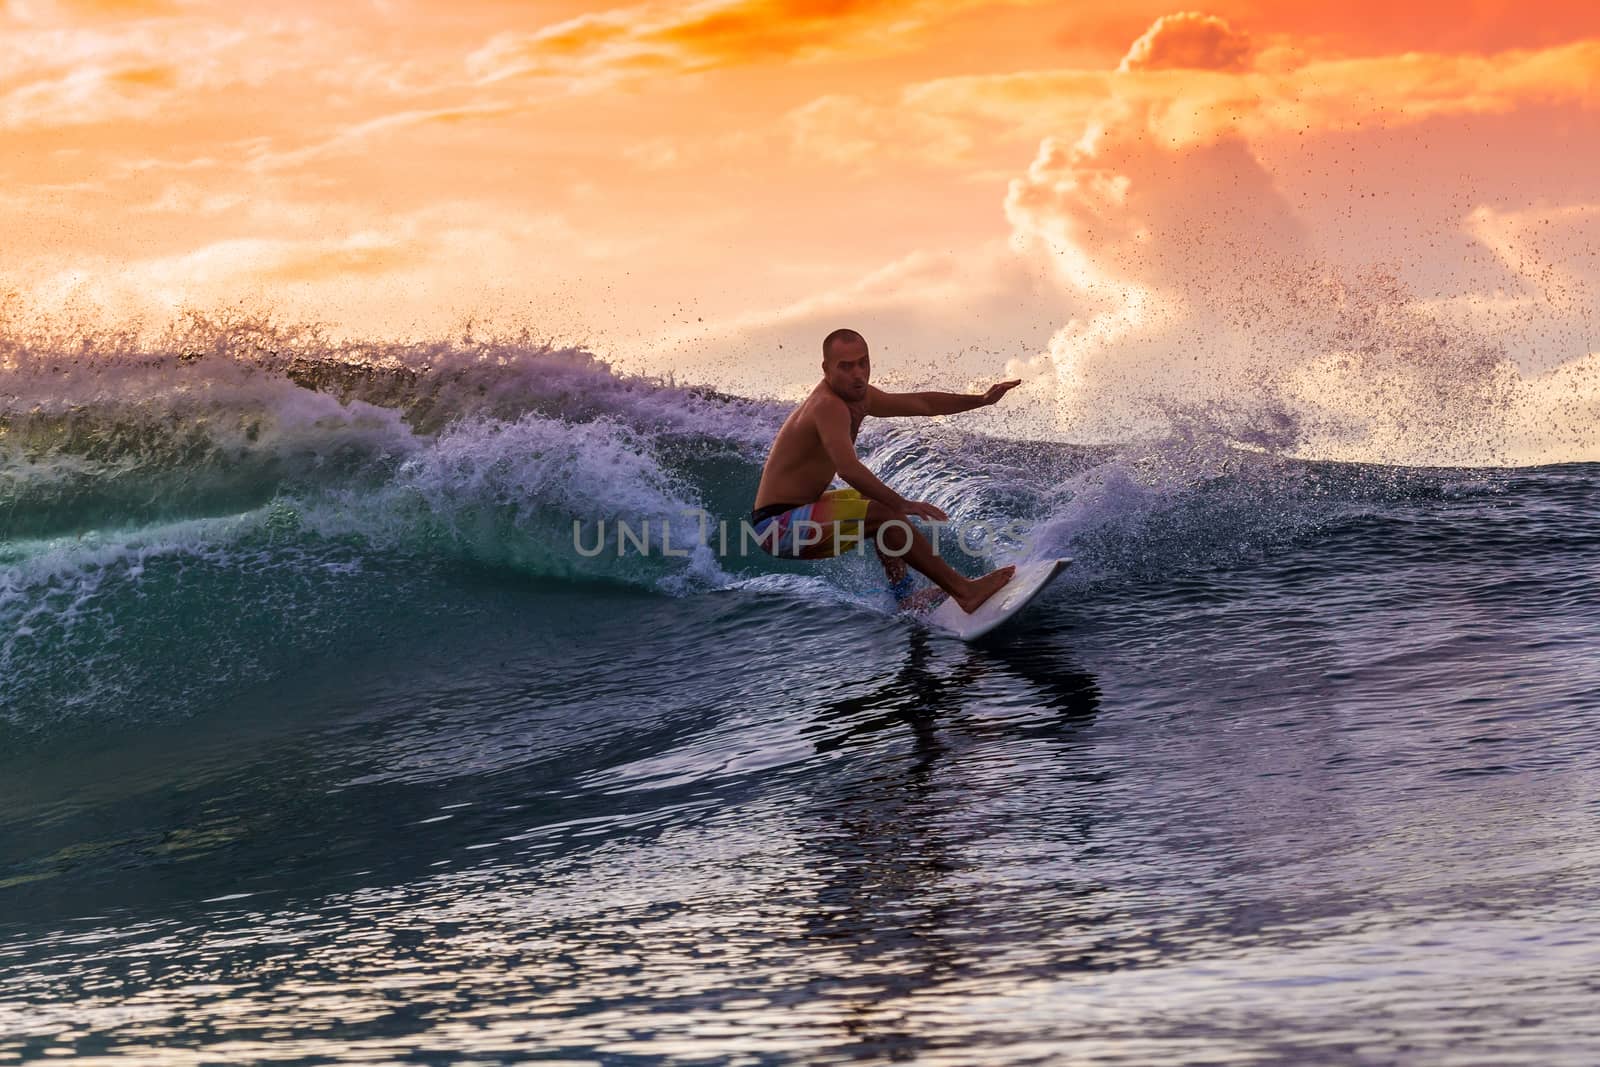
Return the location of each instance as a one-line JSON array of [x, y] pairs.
[[817, 441]]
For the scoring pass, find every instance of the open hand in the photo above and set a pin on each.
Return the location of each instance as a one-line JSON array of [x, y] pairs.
[[1000, 389], [924, 510]]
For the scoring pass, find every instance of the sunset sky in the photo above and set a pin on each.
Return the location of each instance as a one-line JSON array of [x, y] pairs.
[[1090, 195]]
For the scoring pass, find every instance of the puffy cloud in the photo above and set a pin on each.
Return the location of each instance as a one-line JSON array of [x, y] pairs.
[[1189, 40], [1155, 239], [1117, 207], [1205, 296]]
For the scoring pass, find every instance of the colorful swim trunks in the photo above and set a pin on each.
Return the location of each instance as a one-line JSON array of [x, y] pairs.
[[819, 530]]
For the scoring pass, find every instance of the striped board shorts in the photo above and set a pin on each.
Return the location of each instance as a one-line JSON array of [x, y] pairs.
[[819, 530]]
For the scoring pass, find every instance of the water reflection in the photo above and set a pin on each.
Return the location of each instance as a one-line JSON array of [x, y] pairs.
[[896, 911], [1054, 694]]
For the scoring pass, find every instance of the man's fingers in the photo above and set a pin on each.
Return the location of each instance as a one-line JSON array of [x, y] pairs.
[[1000, 389]]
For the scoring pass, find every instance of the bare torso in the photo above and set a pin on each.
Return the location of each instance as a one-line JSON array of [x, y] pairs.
[[798, 469]]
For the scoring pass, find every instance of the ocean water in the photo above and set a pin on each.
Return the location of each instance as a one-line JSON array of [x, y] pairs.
[[320, 743]]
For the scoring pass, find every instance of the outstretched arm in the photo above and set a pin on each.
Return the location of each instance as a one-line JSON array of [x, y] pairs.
[[890, 405]]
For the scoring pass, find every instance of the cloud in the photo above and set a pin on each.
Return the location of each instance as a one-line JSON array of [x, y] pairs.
[[52, 51], [386, 278], [91, 95], [1188, 40], [1153, 240], [595, 49], [1205, 298], [188, 199], [76, 76], [963, 122], [1139, 212], [362, 254], [234, 262], [44, 11], [86, 71], [934, 320], [354, 136], [838, 129], [654, 153], [1191, 287], [1554, 252], [1278, 96]]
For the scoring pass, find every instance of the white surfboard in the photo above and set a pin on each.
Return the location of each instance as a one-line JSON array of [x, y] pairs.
[[1028, 582]]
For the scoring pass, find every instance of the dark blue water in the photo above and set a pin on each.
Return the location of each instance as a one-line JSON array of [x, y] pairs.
[[318, 743]]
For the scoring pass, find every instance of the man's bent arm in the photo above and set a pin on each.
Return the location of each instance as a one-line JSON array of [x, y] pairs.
[[833, 426]]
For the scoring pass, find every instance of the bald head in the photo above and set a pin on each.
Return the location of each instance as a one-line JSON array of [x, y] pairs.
[[841, 339]]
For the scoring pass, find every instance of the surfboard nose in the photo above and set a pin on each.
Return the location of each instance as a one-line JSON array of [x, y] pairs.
[[1027, 582]]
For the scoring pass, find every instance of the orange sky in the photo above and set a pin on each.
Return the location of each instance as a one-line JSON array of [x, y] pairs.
[[1089, 192]]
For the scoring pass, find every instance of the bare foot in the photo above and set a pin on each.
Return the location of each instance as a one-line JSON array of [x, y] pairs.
[[984, 588]]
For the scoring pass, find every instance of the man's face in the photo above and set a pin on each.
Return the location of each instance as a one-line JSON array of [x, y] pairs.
[[847, 370]]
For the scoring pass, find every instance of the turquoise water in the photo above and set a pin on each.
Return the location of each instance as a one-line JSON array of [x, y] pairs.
[[318, 743]]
